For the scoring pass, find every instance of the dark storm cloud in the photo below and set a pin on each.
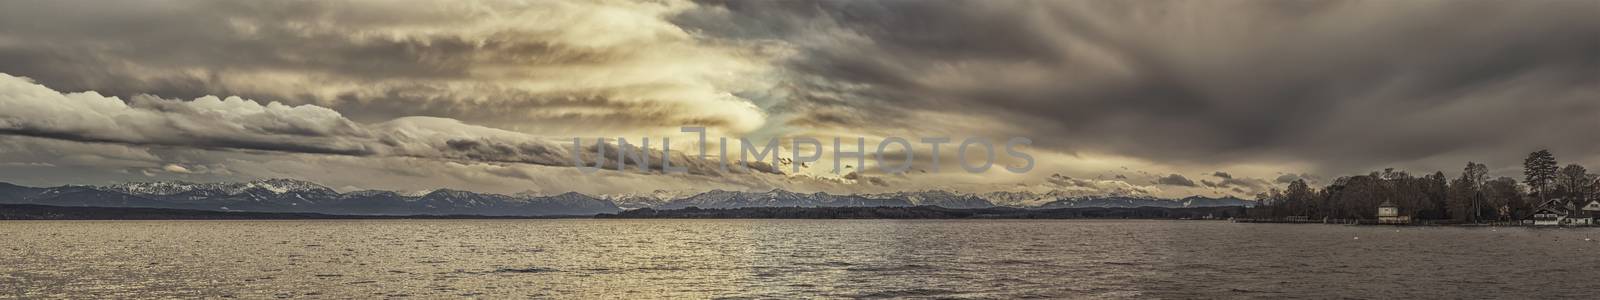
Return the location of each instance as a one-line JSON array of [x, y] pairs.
[[1177, 180], [68, 38], [1185, 87], [1337, 84], [1291, 177], [1251, 184]]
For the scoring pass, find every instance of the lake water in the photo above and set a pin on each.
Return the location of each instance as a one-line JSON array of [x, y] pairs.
[[629, 259]]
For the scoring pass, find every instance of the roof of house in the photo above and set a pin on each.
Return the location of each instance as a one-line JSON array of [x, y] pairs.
[[1557, 205], [1387, 203], [1549, 210]]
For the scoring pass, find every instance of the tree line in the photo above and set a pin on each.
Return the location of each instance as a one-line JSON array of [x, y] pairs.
[[1472, 197], [931, 212]]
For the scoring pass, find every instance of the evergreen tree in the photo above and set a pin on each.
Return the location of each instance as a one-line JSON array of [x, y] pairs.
[[1437, 187], [1540, 170], [1466, 193]]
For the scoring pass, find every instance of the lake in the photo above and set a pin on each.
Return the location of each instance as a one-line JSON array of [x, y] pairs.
[[587, 258]]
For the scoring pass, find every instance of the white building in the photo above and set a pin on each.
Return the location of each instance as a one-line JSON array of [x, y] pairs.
[[1388, 213], [1585, 215], [1558, 212], [1548, 217]]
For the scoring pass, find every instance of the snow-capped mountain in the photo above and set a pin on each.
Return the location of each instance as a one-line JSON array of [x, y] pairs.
[[1054, 199], [1201, 201], [937, 198], [158, 188], [286, 195], [1062, 199], [1109, 201], [1143, 201], [447, 201], [1025, 199], [642, 200], [163, 188], [776, 198]]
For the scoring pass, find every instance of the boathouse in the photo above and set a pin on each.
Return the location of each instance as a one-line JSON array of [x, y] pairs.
[[1388, 213]]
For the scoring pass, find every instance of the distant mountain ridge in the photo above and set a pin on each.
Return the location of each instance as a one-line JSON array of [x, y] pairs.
[[289, 195], [937, 198], [776, 198], [275, 185], [642, 200]]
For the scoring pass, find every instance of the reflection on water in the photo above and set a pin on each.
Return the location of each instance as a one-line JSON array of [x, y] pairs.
[[788, 258]]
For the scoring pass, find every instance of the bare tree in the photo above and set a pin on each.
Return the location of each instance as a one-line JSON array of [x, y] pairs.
[[1574, 183]]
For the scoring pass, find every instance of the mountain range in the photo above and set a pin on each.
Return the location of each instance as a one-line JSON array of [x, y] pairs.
[[288, 195]]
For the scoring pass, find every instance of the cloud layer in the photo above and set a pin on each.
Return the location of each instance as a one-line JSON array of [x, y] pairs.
[[1340, 85], [237, 124], [485, 93], [597, 67]]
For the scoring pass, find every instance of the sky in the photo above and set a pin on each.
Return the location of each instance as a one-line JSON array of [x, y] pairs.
[[1158, 98]]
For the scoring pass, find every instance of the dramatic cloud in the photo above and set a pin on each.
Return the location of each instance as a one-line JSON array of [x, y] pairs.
[[238, 124], [1177, 180], [593, 67], [1291, 177], [176, 169], [1238, 184], [486, 94], [1097, 187], [1408, 83]]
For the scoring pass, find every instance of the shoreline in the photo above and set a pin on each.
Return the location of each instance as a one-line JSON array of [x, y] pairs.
[[34, 212], [1429, 223]]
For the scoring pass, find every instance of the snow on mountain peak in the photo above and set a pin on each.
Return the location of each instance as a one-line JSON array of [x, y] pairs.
[[281, 186], [155, 187], [165, 188]]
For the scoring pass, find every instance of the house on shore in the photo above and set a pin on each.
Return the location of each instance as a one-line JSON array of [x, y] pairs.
[[1559, 212], [1588, 214], [1547, 217], [1388, 213]]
